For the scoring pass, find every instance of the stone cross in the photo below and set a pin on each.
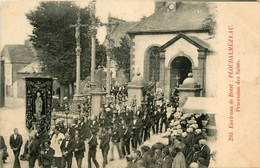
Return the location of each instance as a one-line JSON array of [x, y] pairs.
[[108, 51], [78, 50]]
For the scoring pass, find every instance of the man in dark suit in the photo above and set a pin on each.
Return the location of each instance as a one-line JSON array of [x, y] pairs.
[[127, 135], [146, 125], [46, 155], [116, 134], [104, 144], [2, 149], [163, 118], [92, 148], [71, 131], [135, 125], [33, 150], [204, 151], [94, 124], [67, 148], [82, 128], [16, 142], [79, 150]]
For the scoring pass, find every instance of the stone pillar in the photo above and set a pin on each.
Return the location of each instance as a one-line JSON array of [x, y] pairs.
[[135, 92], [162, 69], [167, 86], [96, 102], [189, 88], [202, 70], [93, 31]]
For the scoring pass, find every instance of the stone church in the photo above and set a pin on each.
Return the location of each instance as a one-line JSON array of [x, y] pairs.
[[173, 42]]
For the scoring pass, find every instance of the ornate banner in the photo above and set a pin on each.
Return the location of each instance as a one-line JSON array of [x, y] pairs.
[[38, 103]]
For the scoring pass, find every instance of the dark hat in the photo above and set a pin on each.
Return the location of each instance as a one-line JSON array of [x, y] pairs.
[[158, 145]]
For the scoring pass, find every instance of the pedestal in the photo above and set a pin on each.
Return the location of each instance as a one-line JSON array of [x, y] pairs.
[[135, 92], [184, 93], [96, 102]]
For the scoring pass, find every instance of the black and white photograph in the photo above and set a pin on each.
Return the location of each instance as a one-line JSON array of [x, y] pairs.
[[129, 84]]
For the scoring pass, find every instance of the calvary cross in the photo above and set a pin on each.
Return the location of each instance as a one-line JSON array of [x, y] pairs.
[[78, 50]]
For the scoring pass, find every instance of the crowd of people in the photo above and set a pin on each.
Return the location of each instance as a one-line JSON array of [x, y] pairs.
[[128, 130]]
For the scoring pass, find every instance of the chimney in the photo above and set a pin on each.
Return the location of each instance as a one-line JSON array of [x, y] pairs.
[[159, 4]]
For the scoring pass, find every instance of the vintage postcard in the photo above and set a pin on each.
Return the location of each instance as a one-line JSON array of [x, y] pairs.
[[129, 84]]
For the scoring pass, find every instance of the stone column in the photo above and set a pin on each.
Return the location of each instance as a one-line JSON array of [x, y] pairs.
[[93, 31], [162, 69], [202, 70], [167, 86]]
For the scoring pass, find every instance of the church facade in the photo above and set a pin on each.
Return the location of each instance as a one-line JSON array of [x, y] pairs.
[[173, 42]]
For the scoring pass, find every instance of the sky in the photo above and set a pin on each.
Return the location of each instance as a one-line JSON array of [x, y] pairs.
[[15, 28]]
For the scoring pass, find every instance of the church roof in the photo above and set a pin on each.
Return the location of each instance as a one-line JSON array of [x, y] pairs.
[[21, 54], [186, 16], [119, 30]]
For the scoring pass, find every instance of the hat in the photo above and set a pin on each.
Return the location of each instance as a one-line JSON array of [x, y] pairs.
[[189, 130], [179, 131], [194, 165], [203, 142], [178, 126], [198, 131], [195, 126]]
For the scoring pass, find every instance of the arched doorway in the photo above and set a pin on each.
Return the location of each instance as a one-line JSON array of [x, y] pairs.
[[180, 67]]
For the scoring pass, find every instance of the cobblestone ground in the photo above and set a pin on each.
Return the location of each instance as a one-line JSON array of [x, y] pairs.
[[13, 116]]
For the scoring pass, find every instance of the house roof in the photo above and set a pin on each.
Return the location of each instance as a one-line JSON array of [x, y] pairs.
[[18, 54], [119, 30], [187, 16], [32, 68]]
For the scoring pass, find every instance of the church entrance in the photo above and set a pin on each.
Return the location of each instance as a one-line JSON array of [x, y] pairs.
[[180, 67]]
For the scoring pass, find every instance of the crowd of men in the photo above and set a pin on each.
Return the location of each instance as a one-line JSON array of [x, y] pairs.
[[127, 130]]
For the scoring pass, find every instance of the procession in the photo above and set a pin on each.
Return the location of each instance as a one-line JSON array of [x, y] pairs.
[[184, 141], [144, 98]]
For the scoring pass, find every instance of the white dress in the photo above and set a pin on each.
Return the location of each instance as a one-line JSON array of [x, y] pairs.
[[55, 144]]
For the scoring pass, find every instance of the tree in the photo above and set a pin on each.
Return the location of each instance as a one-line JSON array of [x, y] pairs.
[[55, 43], [121, 54]]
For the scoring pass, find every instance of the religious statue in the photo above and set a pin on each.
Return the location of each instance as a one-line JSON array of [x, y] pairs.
[[99, 78], [38, 105]]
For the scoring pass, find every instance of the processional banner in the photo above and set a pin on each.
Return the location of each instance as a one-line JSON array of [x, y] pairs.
[[38, 103]]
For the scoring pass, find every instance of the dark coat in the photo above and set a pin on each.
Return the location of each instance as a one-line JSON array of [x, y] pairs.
[[71, 132], [46, 158], [205, 153], [117, 133], [70, 147], [80, 146], [167, 162], [93, 142], [16, 143], [94, 125], [104, 140], [126, 132], [2, 143], [33, 148]]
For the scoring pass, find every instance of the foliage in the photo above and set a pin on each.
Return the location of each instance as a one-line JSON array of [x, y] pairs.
[[121, 54], [209, 24], [54, 39]]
